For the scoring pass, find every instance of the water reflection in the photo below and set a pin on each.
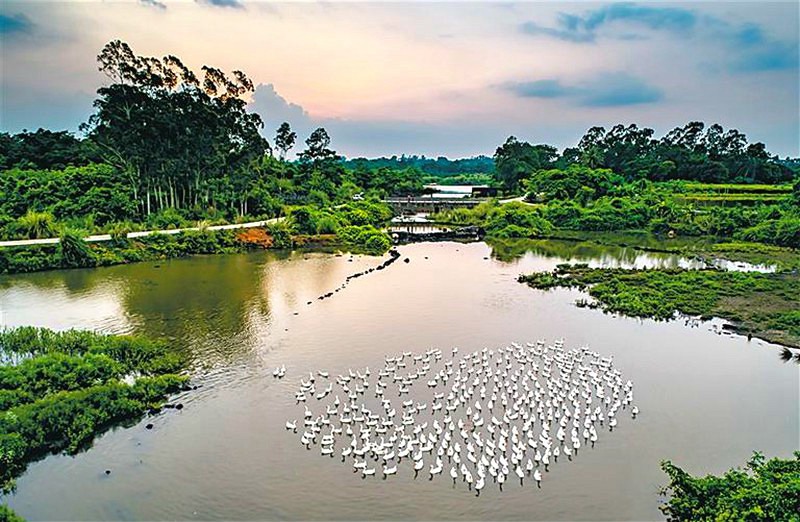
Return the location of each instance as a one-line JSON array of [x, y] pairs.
[[216, 308], [607, 256]]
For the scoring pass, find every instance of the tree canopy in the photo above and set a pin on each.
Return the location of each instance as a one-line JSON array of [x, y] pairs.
[[174, 133], [765, 490]]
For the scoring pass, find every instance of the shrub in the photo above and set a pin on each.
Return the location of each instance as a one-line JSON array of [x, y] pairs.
[[74, 251], [37, 225], [365, 239]]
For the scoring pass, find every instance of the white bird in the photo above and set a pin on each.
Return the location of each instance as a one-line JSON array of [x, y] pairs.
[[537, 476]]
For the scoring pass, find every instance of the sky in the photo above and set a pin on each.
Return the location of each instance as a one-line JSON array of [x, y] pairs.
[[441, 79]]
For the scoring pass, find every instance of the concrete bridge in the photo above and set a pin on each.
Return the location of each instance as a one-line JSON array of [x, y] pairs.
[[413, 205]]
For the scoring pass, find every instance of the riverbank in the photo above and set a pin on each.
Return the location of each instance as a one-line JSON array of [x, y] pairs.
[[158, 246], [762, 305], [59, 390]]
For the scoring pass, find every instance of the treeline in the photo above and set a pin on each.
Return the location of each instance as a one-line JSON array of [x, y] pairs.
[[168, 140], [585, 199], [439, 167], [693, 152], [167, 147]]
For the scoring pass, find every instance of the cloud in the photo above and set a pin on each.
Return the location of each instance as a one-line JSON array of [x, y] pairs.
[[275, 109], [22, 107], [604, 90], [153, 3], [18, 23], [584, 28], [748, 47], [771, 56], [236, 4], [384, 137], [540, 89]]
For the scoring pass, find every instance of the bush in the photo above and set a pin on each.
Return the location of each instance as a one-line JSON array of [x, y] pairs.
[[167, 219], [516, 220], [573, 183], [763, 491], [7, 515], [37, 225], [74, 251], [281, 235], [365, 239]]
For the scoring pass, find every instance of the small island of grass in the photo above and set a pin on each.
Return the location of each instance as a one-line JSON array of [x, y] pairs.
[[58, 390], [763, 305]]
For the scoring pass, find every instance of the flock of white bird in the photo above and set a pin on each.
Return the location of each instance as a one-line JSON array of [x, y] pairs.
[[488, 416]]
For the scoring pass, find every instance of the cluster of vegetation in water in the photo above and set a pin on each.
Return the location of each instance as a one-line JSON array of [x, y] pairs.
[[760, 304], [765, 490], [58, 390]]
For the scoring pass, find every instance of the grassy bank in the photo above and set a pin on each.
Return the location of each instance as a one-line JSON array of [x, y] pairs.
[[762, 305], [76, 253], [60, 390]]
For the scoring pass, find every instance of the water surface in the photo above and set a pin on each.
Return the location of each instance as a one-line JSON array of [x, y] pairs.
[[707, 400]]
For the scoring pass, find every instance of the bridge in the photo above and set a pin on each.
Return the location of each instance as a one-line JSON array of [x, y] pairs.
[[413, 205]]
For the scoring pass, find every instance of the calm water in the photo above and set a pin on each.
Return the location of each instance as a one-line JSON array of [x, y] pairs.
[[706, 400]]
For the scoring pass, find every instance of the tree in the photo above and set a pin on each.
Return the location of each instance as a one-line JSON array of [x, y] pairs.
[[575, 182], [285, 139], [317, 148], [766, 490], [516, 160], [44, 149], [320, 171], [172, 132]]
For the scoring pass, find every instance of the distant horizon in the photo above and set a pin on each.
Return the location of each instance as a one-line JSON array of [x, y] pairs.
[[448, 79]]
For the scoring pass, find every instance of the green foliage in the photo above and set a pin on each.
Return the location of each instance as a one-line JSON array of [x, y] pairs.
[[692, 152], [440, 168], [517, 160], [366, 239], [765, 490], [74, 251], [662, 293], [96, 190], [516, 220], [576, 182], [281, 235], [44, 149], [69, 386], [388, 181], [784, 231], [137, 116], [166, 219], [37, 225], [8, 515]]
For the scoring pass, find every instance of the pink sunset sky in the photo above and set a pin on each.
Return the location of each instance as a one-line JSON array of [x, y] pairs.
[[427, 78]]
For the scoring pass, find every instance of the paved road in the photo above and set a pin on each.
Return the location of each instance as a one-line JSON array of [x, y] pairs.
[[107, 237]]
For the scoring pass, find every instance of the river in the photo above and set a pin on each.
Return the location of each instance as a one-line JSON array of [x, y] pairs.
[[707, 399]]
